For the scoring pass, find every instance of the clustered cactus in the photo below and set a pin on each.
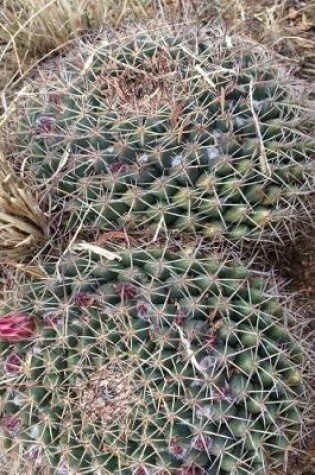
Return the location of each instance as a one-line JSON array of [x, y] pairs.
[[157, 362], [171, 129], [161, 356]]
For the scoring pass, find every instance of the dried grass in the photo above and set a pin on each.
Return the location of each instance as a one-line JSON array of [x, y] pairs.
[[35, 27], [32, 31], [22, 224]]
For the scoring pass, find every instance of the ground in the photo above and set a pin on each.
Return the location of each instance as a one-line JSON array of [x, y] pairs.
[[288, 26]]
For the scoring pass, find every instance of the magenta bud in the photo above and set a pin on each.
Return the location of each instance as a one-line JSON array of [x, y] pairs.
[[51, 319], [202, 442], [83, 300], [222, 392], [176, 448], [211, 341], [118, 167], [54, 97], [13, 363], [12, 424], [126, 291], [142, 308], [16, 326], [140, 471], [45, 123]]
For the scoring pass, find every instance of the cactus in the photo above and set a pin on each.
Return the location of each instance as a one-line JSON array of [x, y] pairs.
[[169, 132], [162, 360]]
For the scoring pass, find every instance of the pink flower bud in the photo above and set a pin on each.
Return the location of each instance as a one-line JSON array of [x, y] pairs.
[[51, 319], [139, 471], [54, 97], [126, 291], [176, 448], [83, 300], [16, 326], [211, 341], [142, 308], [202, 442], [12, 424], [118, 167], [45, 123], [13, 363]]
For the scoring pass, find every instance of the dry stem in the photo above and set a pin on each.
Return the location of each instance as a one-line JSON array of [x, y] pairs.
[[22, 224]]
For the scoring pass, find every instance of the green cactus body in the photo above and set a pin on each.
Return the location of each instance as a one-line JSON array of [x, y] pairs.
[[150, 363], [170, 131]]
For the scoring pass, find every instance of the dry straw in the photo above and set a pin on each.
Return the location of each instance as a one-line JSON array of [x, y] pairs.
[[22, 224], [36, 27]]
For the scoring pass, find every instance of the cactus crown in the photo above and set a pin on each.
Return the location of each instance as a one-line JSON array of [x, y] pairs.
[[169, 132], [160, 361]]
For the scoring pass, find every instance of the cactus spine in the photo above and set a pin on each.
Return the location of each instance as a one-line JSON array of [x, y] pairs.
[[157, 362], [176, 130]]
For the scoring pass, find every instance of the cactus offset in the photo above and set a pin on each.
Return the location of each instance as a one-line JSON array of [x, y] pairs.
[[157, 362], [170, 132]]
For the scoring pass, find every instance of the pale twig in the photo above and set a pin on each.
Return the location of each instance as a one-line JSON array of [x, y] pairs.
[[190, 354], [84, 246], [263, 161]]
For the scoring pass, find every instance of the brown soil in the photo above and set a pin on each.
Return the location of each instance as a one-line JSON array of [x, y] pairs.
[[302, 272]]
